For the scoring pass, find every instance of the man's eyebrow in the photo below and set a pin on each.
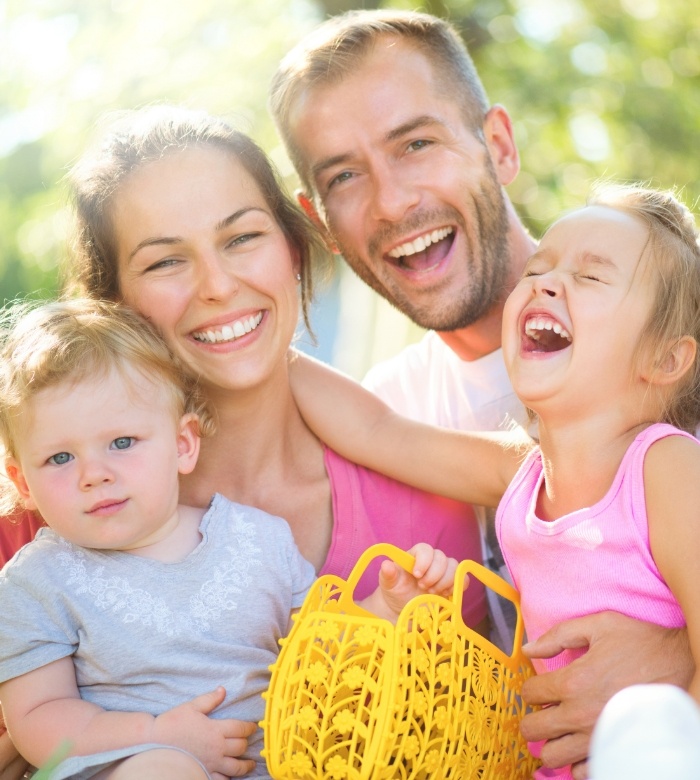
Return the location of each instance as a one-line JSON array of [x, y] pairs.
[[413, 124], [398, 132], [172, 240]]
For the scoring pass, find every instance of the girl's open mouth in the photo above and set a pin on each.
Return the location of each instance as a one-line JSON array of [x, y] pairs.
[[542, 333]]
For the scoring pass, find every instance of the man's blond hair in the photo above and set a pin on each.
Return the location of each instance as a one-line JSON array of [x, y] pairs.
[[334, 49]]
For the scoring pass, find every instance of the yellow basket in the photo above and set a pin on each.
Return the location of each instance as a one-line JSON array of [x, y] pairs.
[[353, 696]]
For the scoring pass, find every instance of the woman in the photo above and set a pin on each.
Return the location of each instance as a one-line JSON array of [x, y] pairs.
[[183, 218]]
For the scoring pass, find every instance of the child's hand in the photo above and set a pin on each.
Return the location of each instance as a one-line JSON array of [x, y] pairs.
[[433, 572], [216, 742]]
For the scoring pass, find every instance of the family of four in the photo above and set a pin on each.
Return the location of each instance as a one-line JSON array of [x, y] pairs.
[[168, 590]]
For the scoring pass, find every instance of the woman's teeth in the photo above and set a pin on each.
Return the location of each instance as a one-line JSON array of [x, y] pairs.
[[420, 243], [229, 332]]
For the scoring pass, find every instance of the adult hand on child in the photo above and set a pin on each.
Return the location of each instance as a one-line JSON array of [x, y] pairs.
[[216, 742], [621, 652]]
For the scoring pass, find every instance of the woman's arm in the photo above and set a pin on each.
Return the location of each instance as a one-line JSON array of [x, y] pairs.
[[43, 711], [672, 491], [471, 467]]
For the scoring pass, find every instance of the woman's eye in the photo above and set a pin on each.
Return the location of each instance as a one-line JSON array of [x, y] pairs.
[[166, 263], [244, 238], [60, 458], [123, 443]]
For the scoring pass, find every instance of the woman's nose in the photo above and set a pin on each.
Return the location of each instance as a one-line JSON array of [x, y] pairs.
[[217, 280]]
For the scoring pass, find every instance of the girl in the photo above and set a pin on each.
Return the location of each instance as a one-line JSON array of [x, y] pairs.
[[131, 617], [600, 339]]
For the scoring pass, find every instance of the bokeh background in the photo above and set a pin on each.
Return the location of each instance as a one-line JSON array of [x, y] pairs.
[[596, 88]]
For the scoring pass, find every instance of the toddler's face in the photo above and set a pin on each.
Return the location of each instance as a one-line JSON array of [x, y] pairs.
[[99, 459]]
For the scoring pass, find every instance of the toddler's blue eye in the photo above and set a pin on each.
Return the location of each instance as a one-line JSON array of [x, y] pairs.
[[123, 442], [60, 458]]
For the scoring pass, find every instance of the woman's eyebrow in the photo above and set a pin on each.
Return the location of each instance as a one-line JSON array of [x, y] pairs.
[[226, 221], [157, 240], [172, 240]]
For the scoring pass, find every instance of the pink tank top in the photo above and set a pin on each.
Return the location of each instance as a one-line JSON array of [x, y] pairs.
[[595, 559]]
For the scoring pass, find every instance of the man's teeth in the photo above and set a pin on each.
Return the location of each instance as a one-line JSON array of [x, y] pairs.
[[420, 243], [229, 332], [536, 325]]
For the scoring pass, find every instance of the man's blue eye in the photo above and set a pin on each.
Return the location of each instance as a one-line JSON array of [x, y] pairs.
[[123, 442], [60, 458]]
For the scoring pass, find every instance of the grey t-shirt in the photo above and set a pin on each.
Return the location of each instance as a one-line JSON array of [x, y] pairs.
[[145, 635]]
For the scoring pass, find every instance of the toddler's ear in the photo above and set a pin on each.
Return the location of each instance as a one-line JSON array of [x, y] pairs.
[[187, 443], [16, 475], [678, 359]]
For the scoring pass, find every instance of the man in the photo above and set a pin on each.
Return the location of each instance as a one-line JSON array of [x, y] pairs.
[[403, 162]]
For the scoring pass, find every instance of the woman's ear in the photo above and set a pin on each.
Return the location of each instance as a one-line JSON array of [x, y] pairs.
[[14, 471], [308, 207], [188, 441], [676, 362]]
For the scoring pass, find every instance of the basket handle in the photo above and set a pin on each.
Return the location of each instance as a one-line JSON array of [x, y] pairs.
[[396, 554], [466, 567], [496, 584]]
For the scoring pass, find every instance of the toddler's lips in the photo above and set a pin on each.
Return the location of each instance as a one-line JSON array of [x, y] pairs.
[[107, 507]]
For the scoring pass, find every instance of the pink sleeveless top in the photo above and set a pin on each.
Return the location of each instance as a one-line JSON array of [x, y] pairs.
[[591, 560]]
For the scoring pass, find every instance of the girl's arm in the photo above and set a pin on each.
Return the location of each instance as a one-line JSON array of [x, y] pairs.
[[471, 467], [672, 490], [43, 711]]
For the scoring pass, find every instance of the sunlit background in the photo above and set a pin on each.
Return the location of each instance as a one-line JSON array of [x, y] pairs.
[[595, 87]]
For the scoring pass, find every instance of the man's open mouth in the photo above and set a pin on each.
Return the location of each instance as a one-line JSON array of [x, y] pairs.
[[424, 252]]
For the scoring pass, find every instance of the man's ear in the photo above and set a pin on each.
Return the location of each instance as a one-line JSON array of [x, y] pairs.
[[308, 207], [498, 134], [676, 362], [16, 475], [188, 441]]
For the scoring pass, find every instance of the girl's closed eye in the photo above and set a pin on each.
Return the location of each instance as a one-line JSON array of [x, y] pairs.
[[60, 458], [123, 443]]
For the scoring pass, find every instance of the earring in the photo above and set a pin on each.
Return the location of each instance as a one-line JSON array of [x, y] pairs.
[[298, 277]]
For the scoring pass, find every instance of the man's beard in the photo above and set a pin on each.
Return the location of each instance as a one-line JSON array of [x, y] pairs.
[[487, 258]]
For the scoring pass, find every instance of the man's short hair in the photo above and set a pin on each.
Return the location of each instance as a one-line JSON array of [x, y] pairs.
[[332, 50]]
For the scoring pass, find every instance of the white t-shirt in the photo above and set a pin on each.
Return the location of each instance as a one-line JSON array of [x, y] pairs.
[[427, 381]]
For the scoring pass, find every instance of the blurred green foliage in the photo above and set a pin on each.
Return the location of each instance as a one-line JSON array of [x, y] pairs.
[[595, 88]]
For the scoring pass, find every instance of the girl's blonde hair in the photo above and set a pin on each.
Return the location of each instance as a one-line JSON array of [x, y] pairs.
[[70, 341], [673, 255]]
